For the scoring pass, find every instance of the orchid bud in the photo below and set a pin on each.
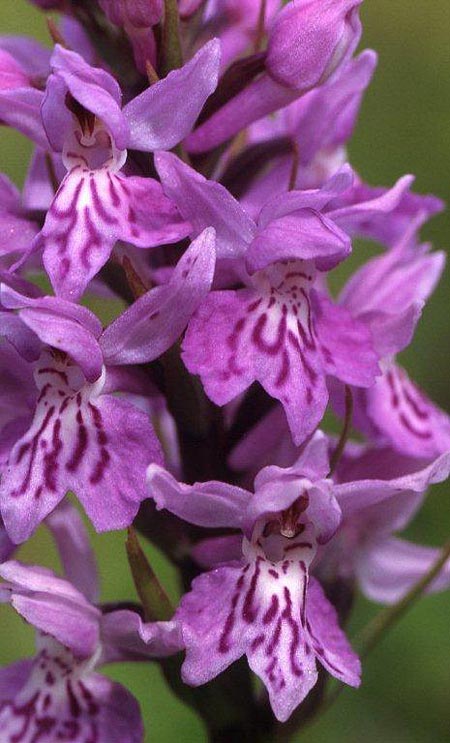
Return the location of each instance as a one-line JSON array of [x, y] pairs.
[[139, 13], [310, 39], [187, 8]]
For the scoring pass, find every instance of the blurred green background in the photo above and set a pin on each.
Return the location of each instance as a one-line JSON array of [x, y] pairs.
[[404, 128]]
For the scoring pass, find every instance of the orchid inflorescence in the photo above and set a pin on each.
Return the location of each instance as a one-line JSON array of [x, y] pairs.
[[190, 178]]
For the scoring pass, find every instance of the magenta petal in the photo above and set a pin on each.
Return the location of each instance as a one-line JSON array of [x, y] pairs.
[[7, 548], [387, 568], [13, 678], [155, 321], [235, 610], [259, 98], [81, 441], [95, 89], [203, 614], [26, 343], [357, 217], [269, 441], [346, 343], [213, 356], [404, 416], [17, 398], [126, 637], [149, 218], [33, 57], [52, 605], [62, 325], [212, 504], [303, 235], [212, 552], [354, 496], [38, 190], [164, 114], [309, 40], [112, 491], [329, 641], [75, 551], [118, 717], [90, 212], [258, 339], [206, 203], [20, 109]]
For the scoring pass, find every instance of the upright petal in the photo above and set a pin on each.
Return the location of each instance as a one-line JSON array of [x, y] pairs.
[[165, 113], [206, 203], [304, 235], [155, 321], [94, 89]]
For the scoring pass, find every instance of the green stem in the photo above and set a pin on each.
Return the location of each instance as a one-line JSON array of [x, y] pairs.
[[157, 606], [337, 454], [295, 165], [172, 56], [260, 27]]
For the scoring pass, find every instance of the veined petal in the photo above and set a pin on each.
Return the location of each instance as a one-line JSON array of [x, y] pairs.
[[345, 342], [79, 440], [165, 113], [329, 642], [61, 699], [257, 610], [93, 209], [264, 334], [403, 415], [155, 321]]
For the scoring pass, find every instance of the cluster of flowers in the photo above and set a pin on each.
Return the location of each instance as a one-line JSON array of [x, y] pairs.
[[204, 395]]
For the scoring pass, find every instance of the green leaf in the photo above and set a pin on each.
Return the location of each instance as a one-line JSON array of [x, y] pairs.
[[157, 606]]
